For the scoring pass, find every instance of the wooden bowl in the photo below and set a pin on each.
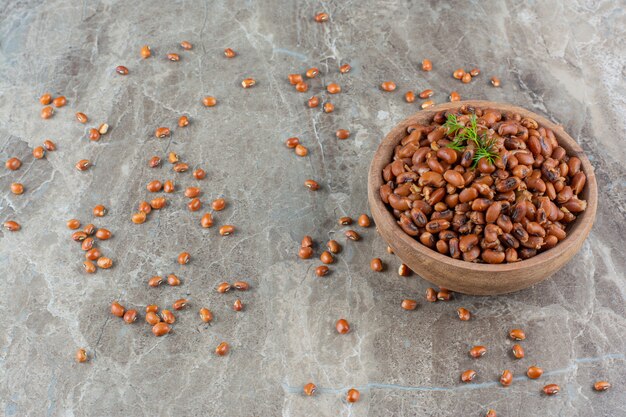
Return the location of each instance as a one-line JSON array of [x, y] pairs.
[[469, 277]]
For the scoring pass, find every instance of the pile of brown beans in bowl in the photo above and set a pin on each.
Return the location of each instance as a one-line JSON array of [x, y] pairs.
[[504, 208]]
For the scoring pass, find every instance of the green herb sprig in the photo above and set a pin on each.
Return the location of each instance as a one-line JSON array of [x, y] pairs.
[[463, 135]]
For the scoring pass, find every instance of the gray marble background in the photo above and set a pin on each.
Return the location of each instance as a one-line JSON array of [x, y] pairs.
[[564, 59]]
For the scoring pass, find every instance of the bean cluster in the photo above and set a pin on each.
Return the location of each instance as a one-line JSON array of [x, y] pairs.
[[505, 210]]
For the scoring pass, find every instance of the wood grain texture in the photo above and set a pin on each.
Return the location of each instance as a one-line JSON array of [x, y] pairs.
[[468, 277]]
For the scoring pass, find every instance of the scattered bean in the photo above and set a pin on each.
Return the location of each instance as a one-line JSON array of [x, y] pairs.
[[345, 68], [463, 313], [333, 88], [309, 389], [518, 351], [353, 395], [311, 185], [99, 210], [160, 329], [342, 326], [601, 385], [223, 287], [376, 264], [322, 271], [184, 258], [130, 316], [342, 134], [209, 101], [180, 304], [352, 235], [222, 349], [47, 112], [238, 305], [321, 17], [81, 356], [121, 69], [13, 164], [82, 117], [477, 351], [145, 52], [313, 102], [388, 86], [404, 270], [117, 309], [517, 334], [229, 53], [173, 280], [45, 99], [427, 65], [206, 315], [551, 389], [329, 107], [218, 204], [468, 375], [248, 82], [409, 96], [409, 304], [173, 57]]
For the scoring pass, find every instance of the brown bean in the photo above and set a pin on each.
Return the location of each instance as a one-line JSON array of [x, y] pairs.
[[342, 134], [534, 372], [388, 86], [248, 82], [173, 280], [301, 150], [601, 385], [155, 281], [168, 317], [199, 174], [311, 185], [517, 334], [184, 258], [139, 217], [353, 395], [376, 264], [409, 96], [463, 313], [305, 252], [209, 101], [364, 220], [352, 235], [454, 178], [13, 164], [227, 230], [333, 246], [152, 318], [173, 57], [309, 389], [468, 375], [444, 295], [104, 263], [322, 271], [551, 389], [47, 112], [404, 270], [49, 145], [506, 378], [431, 295], [194, 205], [518, 351], [180, 304], [206, 315], [495, 81], [409, 304], [426, 93], [427, 65], [82, 117], [145, 52], [117, 309], [342, 326], [89, 267], [130, 316], [218, 204], [186, 45], [222, 349], [477, 351], [160, 329], [327, 258]]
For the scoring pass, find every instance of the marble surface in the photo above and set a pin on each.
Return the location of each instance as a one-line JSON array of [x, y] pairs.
[[563, 59]]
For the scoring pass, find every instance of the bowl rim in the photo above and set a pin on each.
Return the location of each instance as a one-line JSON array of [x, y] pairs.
[[578, 232]]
